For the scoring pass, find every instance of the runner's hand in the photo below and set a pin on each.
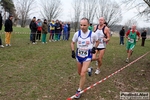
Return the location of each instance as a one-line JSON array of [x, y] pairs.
[[73, 54], [104, 39], [93, 50]]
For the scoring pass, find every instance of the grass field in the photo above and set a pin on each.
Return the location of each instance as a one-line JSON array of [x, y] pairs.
[[47, 71]]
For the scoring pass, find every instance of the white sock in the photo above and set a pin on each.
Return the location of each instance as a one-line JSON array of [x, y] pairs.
[[79, 89], [89, 69]]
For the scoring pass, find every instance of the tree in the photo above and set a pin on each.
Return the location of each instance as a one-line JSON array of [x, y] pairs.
[[77, 13], [24, 10], [129, 23], [89, 8], [8, 6], [51, 9], [142, 7], [111, 11]]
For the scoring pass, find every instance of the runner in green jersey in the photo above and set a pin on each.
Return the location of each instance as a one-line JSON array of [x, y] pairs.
[[131, 35]]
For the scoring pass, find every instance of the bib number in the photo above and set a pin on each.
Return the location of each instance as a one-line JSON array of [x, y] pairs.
[[131, 40], [82, 53]]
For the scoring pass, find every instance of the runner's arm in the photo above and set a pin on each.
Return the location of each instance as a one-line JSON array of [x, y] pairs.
[[95, 28], [127, 33], [72, 50], [72, 46], [74, 39], [138, 34], [96, 43], [107, 32]]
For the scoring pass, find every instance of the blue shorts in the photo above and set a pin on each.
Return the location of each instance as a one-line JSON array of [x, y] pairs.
[[83, 59]]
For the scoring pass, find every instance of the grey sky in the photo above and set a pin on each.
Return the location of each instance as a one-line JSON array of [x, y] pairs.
[[127, 15]]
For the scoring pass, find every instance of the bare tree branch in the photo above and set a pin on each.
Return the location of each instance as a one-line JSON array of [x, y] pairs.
[[89, 8], [51, 9], [142, 6], [129, 23], [23, 9], [111, 11], [77, 13], [147, 2]]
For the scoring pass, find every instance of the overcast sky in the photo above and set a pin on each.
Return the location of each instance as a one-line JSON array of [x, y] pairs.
[[127, 15]]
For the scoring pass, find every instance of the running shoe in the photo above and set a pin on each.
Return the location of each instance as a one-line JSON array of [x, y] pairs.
[[7, 45], [127, 60], [90, 71], [1, 46], [77, 95], [97, 71]]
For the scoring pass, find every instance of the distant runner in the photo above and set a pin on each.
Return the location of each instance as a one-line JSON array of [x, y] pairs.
[[131, 35]]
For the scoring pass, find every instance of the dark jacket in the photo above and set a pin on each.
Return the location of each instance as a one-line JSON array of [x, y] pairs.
[[61, 27], [1, 20], [33, 26], [143, 34], [8, 25], [44, 28], [68, 27], [122, 32], [57, 28]]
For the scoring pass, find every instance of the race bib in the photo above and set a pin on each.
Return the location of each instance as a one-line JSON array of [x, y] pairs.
[[131, 40], [82, 53]]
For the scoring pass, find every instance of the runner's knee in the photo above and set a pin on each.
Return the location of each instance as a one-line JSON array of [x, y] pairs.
[[82, 74]]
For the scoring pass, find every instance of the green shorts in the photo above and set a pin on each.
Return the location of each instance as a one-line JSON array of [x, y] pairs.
[[130, 46]]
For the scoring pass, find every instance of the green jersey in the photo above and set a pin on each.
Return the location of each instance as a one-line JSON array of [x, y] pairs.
[[132, 37], [131, 40]]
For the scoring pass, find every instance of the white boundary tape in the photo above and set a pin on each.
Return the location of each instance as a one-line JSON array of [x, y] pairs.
[[70, 98], [17, 32]]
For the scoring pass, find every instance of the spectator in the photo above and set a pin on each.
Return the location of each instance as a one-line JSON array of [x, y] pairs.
[[52, 31], [33, 27], [8, 30], [65, 31], [121, 34], [69, 28], [61, 29], [57, 30], [1, 20], [143, 35], [39, 29], [44, 31]]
